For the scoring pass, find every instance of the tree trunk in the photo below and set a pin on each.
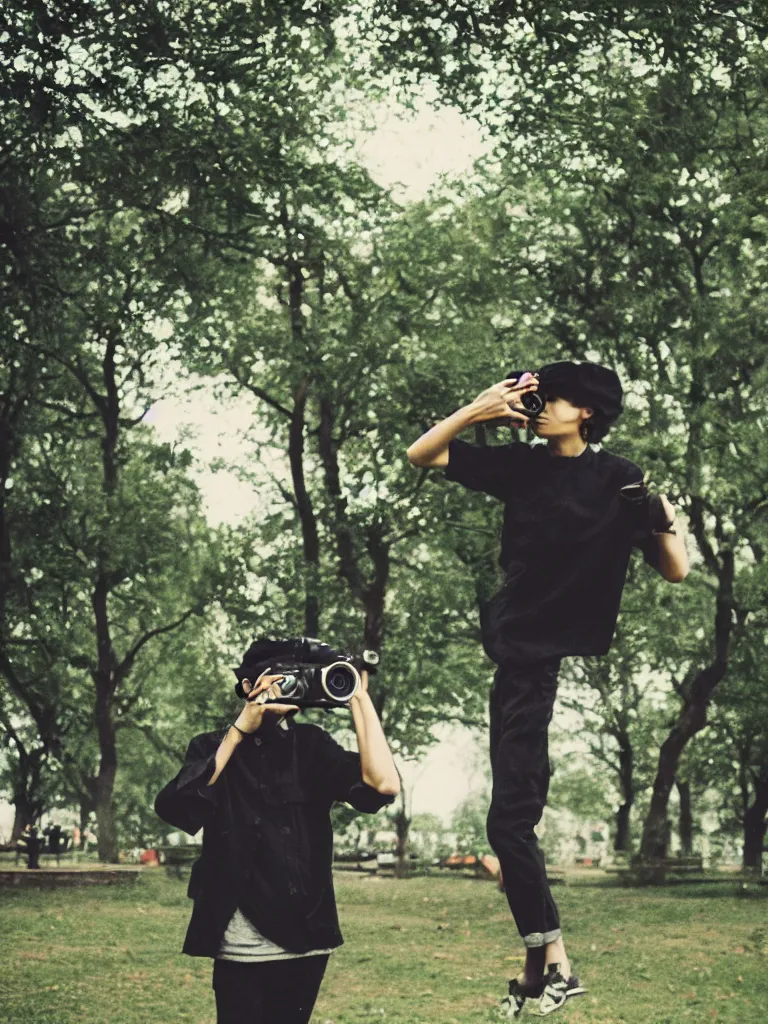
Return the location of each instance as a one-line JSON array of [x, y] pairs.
[[371, 592], [686, 817], [106, 825], [621, 842], [26, 778], [693, 715], [402, 828], [756, 826], [655, 830], [24, 813], [104, 783], [85, 811], [306, 512], [304, 506]]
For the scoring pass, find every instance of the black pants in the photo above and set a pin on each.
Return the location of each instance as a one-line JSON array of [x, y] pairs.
[[522, 699], [275, 992]]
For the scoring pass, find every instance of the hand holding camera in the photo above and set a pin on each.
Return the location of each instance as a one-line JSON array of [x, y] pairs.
[[256, 696], [506, 400]]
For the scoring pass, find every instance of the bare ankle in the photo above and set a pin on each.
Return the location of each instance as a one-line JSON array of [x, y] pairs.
[[555, 954]]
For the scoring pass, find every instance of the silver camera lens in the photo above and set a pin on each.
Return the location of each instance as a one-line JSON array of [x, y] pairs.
[[340, 681]]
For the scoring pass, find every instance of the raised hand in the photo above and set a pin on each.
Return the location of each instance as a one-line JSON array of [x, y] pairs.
[[494, 402], [252, 714]]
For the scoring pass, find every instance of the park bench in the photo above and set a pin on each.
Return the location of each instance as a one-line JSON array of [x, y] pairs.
[[686, 864], [178, 859], [659, 871], [353, 856], [385, 863]]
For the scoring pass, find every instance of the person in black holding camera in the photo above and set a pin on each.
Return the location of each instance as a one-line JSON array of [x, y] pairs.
[[572, 514], [262, 790]]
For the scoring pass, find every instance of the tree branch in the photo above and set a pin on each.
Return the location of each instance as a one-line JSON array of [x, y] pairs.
[[125, 665]]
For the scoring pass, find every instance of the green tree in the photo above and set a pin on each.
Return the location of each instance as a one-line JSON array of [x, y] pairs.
[[740, 753], [621, 698], [468, 822], [631, 177]]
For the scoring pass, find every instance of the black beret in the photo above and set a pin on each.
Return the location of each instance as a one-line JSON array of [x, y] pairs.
[[264, 651], [586, 385]]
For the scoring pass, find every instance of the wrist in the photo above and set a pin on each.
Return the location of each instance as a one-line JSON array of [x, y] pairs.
[[237, 732], [470, 414]]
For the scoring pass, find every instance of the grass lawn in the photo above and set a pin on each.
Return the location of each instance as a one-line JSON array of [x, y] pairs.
[[420, 951]]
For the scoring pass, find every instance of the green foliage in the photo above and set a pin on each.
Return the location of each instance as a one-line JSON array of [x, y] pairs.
[[468, 821], [182, 200], [581, 792], [629, 193], [349, 825]]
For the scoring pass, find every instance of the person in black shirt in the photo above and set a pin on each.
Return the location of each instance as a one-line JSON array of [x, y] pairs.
[[261, 790], [572, 515]]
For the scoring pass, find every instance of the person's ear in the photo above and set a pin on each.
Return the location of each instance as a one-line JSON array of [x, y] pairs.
[[587, 414]]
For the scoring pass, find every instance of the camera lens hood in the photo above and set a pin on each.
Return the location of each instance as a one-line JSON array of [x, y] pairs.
[[340, 681]]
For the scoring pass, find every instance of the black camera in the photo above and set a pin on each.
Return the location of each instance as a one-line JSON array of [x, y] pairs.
[[532, 402], [314, 674]]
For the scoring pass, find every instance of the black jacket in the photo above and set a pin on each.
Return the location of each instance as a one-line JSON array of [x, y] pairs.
[[267, 836]]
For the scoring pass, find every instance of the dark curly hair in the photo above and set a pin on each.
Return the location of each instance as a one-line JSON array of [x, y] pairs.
[[597, 426]]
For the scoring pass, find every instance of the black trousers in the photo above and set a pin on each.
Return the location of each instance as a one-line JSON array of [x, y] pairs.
[[275, 992], [521, 703]]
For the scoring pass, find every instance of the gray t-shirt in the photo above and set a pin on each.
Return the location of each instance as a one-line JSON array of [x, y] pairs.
[[245, 943]]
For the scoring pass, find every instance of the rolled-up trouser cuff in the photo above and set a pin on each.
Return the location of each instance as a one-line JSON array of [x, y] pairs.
[[541, 938]]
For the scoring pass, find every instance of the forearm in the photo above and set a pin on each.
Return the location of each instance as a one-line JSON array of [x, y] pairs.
[[376, 761], [673, 557], [431, 449], [225, 751]]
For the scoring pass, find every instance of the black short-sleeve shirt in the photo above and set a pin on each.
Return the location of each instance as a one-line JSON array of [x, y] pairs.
[[565, 545]]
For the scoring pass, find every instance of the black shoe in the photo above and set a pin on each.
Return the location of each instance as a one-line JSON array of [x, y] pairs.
[[557, 990], [512, 1004]]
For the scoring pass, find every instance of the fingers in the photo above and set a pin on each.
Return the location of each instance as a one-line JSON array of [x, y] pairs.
[[518, 414], [520, 384], [281, 709], [264, 682], [266, 692]]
